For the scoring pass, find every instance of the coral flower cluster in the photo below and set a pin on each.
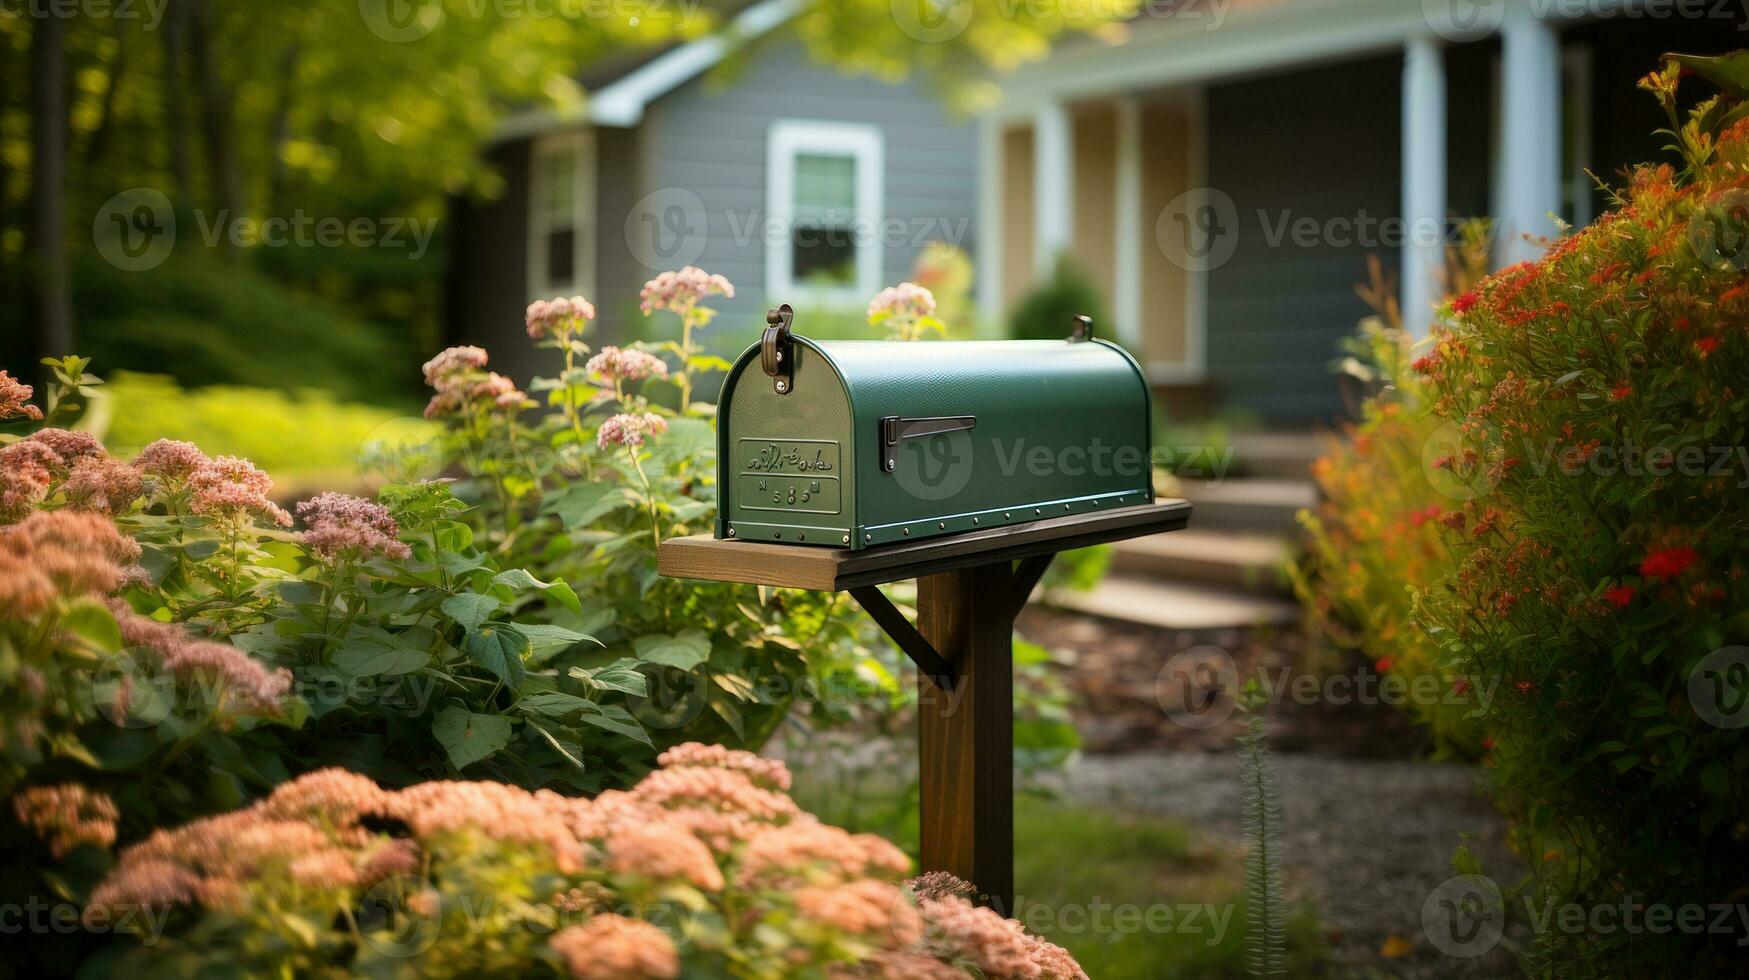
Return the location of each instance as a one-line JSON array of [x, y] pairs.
[[67, 816], [907, 301], [711, 820], [233, 490], [51, 554]]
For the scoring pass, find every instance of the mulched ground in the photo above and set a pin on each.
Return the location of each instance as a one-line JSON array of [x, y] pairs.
[[1370, 825]]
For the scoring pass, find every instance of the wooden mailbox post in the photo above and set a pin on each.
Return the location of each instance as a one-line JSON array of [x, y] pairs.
[[970, 587]]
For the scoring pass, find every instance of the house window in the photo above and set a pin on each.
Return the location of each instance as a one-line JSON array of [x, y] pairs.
[[561, 225], [824, 196]]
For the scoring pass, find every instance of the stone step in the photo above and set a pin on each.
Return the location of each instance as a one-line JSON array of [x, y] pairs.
[[1260, 504], [1281, 455], [1232, 559], [1177, 605]]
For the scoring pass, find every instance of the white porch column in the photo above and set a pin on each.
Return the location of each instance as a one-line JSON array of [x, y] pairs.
[[1530, 153], [991, 170], [1127, 227], [1053, 186], [1423, 162]]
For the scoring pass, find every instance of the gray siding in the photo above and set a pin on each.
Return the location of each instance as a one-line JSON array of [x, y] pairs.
[[488, 268], [711, 139], [1320, 144]]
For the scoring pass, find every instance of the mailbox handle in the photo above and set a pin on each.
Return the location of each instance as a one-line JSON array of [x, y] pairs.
[[1082, 330], [895, 429], [774, 353]]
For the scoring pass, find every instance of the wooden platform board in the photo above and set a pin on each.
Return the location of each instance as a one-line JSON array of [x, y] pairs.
[[796, 566]]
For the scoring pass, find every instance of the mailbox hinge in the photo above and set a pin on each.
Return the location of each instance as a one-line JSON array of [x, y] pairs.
[[895, 429], [776, 354]]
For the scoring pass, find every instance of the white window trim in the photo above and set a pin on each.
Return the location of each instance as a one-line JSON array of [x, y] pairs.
[[583, 217], [784, 141]]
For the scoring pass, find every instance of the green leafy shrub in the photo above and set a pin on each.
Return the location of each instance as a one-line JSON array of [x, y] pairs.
[[1586, 548], [1047, 312], [302, 437]]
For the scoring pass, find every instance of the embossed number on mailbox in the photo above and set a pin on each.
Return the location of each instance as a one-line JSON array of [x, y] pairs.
[[788, 474]]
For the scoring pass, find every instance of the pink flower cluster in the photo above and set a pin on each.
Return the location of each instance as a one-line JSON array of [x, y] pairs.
[[629, 429], [102, 484], [51, 554], [461, 383], [169, 463], [15, 399], [67, 816], [232, 489], [616, 364], [679, 292], [237, 675], [558, 317], [906, 301], [708, 811], [341, 526], [613, 947]]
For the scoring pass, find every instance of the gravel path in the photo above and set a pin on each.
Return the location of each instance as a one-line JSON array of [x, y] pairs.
[[1365, 840]]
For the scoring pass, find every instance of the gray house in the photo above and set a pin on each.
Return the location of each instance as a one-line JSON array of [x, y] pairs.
[[799, 184]]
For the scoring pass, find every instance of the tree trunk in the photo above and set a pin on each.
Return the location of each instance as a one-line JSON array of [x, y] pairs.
[[48, 192], [279, 127], [224, 180], [98, 146], [175, 29]]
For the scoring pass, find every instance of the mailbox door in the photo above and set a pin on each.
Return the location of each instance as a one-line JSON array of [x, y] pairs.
[[784, 458]]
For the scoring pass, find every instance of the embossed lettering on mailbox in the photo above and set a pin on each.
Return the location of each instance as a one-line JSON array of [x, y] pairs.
[[788, 474]]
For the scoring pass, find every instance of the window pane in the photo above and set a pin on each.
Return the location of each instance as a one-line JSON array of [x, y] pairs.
[[823, 253], [561, 257], [561, 187], [825, 186]]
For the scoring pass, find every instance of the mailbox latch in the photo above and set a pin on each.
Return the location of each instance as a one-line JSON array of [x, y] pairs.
[[894, 429], [776, 354]]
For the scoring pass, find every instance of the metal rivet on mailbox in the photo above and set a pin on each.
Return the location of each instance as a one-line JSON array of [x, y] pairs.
[[907, 532], [942, 525]]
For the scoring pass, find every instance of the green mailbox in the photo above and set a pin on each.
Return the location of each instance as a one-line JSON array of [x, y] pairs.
[[866, 443]]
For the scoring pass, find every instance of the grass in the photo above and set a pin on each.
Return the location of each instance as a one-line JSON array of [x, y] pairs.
[[1133, 897]]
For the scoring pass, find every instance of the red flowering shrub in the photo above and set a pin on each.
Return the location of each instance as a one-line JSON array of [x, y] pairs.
[[1584, 422], [706, 868]]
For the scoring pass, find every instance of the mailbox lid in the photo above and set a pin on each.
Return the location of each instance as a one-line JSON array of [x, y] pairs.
[[1052, 419]]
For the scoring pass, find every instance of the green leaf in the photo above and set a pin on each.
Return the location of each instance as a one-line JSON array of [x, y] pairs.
[[545, 638], [470, 609], [373, 658], [682, 652], [498, 648], [1728, 71], [92, 622], [521, 579], [558, 746], [582, 504], [622, 675], [552, 704], [614, 718], [686, 439], [469, 737]]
